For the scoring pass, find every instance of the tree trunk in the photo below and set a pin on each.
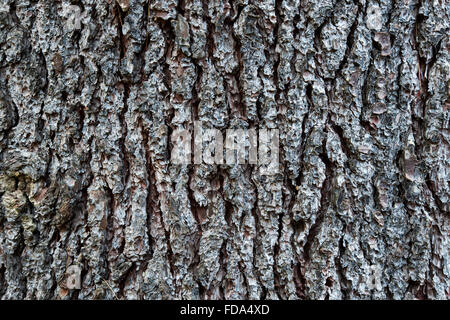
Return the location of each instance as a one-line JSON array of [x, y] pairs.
[[91, 92]]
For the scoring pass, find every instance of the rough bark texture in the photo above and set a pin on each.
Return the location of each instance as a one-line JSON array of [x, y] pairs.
[[358, 89]]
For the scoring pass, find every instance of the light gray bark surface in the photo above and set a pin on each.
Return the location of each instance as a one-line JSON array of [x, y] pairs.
[[358, 89]]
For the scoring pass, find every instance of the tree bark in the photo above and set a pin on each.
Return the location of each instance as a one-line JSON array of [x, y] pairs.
[[91, 91]]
